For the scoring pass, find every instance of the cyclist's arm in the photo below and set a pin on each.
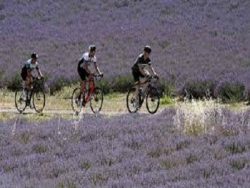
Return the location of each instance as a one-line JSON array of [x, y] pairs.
[[39, 72], [143, 70], [152, 70], [97, 68]]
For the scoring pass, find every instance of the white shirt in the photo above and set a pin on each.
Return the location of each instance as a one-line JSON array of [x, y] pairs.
[[88, 60], [31, 66]]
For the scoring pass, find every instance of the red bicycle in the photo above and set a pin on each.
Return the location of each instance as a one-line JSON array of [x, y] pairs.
[[94, 95]]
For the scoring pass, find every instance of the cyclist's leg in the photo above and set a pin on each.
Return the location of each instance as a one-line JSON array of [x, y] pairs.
[[136, 75], [83, 86], [24, 84], [91, 89], [83, 75], [28, 81], [29, 84]]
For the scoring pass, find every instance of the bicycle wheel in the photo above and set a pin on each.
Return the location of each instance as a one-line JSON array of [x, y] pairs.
[[39, 100], [96, 100], [133, 104], [20, 101], [152, 100], [76, 100]]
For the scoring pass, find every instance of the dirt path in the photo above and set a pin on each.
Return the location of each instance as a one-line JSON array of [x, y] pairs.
[[70, 112], [113, 105]]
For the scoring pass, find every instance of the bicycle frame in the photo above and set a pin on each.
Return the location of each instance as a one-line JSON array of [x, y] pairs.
[[142, 94], [31, 91], [91, 83]]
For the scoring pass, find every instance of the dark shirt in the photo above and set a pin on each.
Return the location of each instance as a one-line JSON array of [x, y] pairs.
[[141, 61]]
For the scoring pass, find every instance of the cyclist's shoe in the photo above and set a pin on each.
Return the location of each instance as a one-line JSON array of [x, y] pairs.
[[96, 99], [83, 102], [28, 103], [140, 90], [31, 106], [77, 102]]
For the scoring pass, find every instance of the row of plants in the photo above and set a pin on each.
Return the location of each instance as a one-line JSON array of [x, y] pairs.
[[226, 91]]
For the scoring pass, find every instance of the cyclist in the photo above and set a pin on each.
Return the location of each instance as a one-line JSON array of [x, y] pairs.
[[142, 68], [83, 68], [27, 72]]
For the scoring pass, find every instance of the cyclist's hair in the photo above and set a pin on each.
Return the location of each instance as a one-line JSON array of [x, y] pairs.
[[34, 56], [147, 49], [92, 48]]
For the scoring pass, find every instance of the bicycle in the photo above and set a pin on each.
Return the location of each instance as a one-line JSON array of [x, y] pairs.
[[34, 97], [151, 93], [93, 94]]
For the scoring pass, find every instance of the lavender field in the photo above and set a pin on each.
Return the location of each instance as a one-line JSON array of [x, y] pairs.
[[206, 40], [128, 151], [201, 48]]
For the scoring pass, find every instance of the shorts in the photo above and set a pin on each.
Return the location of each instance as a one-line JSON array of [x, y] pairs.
[[24, 73], [83, 74], [137, 75]]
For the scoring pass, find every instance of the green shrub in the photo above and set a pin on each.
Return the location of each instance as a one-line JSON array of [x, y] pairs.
[[105, 85], [198, 89], [231, 92], [166, 89], [238, 164], [58, 84], [166, 100], [235, 148], [121, 84], [15, 82]]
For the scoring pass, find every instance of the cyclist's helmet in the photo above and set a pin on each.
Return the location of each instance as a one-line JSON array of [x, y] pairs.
[[34, 56], [92, 48], [147, 49]]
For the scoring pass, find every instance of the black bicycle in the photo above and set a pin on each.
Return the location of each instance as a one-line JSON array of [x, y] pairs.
[[150, 93], [34, 98]]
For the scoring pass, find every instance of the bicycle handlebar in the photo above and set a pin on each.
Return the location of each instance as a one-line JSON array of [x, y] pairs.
[[95, 76], [149, 78]]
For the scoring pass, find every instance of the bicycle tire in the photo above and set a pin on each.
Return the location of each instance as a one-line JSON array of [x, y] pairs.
[[18, 99], [152, 96], [94, 98], [38, 96], [76, 99], [131, 101]]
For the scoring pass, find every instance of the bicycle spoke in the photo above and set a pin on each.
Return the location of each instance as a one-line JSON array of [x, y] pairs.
[[77, 100], [133, 103]]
